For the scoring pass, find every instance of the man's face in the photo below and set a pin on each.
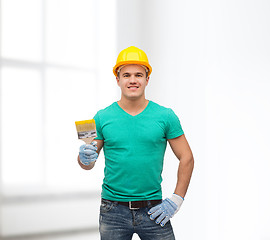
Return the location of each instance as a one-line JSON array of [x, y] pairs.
[[132, 80]]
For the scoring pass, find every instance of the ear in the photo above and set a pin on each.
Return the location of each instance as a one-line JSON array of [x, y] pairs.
[[147, 80], [117, 79]]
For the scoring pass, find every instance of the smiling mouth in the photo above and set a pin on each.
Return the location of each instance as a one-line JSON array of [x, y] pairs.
[[133, 87]]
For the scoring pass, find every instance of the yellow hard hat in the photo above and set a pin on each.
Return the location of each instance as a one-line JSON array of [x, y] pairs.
[[132, 55]]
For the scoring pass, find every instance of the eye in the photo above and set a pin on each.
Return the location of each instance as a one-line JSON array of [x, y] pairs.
[[125, 75], [139, 75]]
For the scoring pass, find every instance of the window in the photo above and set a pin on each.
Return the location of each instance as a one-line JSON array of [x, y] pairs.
[[51, 53]]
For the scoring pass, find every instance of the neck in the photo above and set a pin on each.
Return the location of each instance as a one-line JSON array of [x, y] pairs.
[[133, 106]]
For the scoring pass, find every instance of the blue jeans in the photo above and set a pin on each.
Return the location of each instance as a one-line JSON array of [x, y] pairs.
[[118, 222]]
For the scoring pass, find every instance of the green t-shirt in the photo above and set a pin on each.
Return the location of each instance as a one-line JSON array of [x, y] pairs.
[[134, 148]]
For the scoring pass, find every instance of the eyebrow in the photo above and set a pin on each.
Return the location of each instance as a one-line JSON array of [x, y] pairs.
[[134, 73]]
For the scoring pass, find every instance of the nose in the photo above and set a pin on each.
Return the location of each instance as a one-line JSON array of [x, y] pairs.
[[132, 79]]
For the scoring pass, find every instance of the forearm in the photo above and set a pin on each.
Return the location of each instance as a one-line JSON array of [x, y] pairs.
[[184, 175], [86, 167], [170, 206]]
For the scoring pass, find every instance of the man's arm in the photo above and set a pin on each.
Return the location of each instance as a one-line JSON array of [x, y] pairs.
[[91, 165], [170, 206], [183, 152]]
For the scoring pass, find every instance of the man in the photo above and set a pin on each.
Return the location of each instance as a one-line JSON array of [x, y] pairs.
[[134, 133]]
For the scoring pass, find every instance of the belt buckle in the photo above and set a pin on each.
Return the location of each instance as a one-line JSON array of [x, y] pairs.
[[130, 206]]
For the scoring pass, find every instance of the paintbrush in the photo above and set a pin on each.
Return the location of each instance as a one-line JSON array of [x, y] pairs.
[[86, 130]]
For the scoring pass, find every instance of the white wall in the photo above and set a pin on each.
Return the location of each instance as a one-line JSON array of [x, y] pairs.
[[45, 207], [52, 213], [210, 64]]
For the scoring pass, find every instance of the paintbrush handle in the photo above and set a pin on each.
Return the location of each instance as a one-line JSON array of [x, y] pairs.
[[88, 140]]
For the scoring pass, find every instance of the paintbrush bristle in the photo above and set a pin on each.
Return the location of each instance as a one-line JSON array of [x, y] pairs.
[[86, 129]]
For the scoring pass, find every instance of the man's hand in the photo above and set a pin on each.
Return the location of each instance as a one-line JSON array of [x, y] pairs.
[[166, 210], [88, 153]]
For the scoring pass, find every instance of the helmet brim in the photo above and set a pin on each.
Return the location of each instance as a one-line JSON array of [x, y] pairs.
[[115, 68]]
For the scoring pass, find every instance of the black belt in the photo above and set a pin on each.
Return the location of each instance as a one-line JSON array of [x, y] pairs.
[[133, 205]]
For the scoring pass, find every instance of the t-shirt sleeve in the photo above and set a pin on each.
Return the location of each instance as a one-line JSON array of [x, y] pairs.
[[98, 127], [173, 127]]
